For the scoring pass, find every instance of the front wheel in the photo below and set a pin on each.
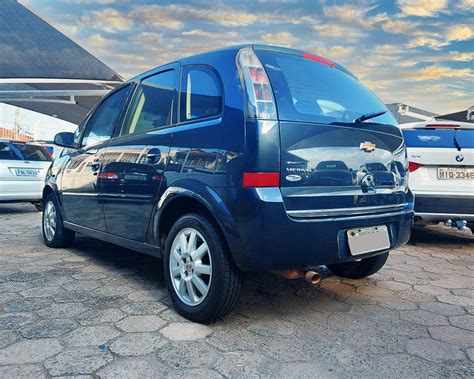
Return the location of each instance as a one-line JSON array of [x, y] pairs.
[[359, 269], [202, 280], [54, 232]]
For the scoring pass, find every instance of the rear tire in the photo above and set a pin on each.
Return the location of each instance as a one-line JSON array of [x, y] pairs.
[[360, 269], [54, 232], [202, 280]]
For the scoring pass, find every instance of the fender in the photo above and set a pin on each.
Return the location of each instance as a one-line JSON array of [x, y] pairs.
[[51, 181], [210, 199]]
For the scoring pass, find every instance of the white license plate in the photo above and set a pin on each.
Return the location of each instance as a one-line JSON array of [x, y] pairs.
[[455, 173], [366, 240], [26, 172]]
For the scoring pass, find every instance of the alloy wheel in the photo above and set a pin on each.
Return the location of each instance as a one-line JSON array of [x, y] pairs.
[[49, 220], [190, 266]]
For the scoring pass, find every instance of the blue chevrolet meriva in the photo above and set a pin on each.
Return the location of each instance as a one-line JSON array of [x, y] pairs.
[[250, 158]]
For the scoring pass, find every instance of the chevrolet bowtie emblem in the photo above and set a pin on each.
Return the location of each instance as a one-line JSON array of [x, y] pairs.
[[367, 146]]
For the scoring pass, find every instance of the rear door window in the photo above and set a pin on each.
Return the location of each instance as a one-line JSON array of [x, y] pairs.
[[306, 90], [201, 95], [153, 104]]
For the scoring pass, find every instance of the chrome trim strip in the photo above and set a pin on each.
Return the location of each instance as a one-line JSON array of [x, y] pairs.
[[317, 213]]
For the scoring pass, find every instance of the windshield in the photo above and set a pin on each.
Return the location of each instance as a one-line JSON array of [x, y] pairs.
[[306, 90], [24, 152]]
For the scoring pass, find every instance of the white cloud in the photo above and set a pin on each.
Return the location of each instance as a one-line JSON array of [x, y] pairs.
[[399, 26], [280, 38], [107, 19], [147, 37], [439, 72], [459, 33], [422, 8]]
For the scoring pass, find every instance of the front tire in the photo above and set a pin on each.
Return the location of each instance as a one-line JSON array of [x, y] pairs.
[[203, 282], [359, 269], [54, 232]]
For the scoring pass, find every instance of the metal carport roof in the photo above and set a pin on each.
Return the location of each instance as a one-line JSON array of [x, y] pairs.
[[37, 61]]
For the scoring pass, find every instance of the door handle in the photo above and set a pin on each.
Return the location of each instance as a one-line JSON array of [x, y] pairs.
[[95, 165]]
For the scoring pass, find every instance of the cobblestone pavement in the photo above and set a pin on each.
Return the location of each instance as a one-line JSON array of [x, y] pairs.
[[97, 309]]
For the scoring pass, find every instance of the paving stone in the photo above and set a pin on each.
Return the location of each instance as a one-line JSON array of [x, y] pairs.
[[15, 320], [7, 337], [82, 285], [141, 308], [91, 335], [74, 362], [470, 353], [442, 308], [431, 289], [392, 285], [185, 331], [433, 350], [62, 310], [456, 300], [100, 316], [197, 373], [23, 371], [141, 323], [424, 317], [135, 344], [28, 305], [136, 368], [453, 335], [270, 328], [73, 297], [189, 354], [41, 292], [147, 295], [404, 365], [48, 328], [29, 351], [23, 276], [244, 365], [463, 321]]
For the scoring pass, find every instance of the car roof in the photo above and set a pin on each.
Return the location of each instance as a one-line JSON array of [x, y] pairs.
[[235, 48]]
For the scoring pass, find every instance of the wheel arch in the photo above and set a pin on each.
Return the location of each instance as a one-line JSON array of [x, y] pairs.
[[183, 198]]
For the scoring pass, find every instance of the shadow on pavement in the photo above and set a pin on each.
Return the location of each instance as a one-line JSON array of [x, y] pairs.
[[440, 235]]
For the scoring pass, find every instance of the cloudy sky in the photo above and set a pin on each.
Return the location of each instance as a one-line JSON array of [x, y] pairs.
[[419, 52]]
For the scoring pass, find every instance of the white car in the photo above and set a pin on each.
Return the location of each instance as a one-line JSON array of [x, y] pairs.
[[441, 170], [23, 168]]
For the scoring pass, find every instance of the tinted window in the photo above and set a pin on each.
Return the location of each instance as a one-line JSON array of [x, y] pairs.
[[200, 93], [306, 90], [102, 122], [24, 152], [152, 105]]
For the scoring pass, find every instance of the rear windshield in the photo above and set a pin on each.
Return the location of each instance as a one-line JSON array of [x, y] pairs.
[[306, 90], [23, 152]]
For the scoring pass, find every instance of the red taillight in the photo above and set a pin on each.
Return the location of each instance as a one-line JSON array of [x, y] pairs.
[[413, 166], [261, 179], [447, 126], [319, 59], [260, 100], [108, 175]]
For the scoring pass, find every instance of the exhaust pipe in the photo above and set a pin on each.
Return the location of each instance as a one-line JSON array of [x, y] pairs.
[[312, 277]]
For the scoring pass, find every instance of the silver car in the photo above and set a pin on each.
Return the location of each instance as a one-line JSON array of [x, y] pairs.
[[23, 167]]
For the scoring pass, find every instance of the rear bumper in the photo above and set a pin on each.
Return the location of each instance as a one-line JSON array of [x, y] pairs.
[[274, 240], [439, 207], [21, 190]]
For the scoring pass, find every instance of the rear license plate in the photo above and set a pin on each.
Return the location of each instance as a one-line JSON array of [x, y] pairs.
[[455, 173], [26, 172], [366, 240]]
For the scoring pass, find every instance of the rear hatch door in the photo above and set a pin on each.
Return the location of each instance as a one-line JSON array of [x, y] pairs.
[[332, 162]]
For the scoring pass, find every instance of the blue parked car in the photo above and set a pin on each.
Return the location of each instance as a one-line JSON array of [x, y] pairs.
[[243, 159]]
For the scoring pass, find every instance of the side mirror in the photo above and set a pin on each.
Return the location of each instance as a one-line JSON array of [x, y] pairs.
[[64, 139]]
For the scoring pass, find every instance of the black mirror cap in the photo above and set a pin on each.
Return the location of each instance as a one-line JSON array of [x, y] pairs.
[[64, 139]]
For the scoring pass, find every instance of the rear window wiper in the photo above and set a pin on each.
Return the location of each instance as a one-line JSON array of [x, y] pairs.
[[368, 116]]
